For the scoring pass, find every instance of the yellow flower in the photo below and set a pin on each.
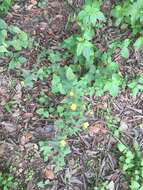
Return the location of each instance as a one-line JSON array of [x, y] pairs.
[[71, 94], [85, 125], [62, 143], [73, 107]]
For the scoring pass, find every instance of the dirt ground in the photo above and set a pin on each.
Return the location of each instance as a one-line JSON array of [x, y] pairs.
[[21, 129]]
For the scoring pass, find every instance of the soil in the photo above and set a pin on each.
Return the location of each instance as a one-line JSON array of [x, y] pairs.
[[21, 130]]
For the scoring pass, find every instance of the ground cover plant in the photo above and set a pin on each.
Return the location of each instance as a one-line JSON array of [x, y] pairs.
[[71, 84]]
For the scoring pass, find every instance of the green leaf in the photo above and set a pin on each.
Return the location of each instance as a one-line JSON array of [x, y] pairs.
[[16, 62], [69, 74], [28, 78], [112, 87], [90, 14], [132, 84], [57, 85], [16, 44], [14, 29], [40, 111], [79, 49], [3, 36], [22, 59], [126, 43], [112, 67], [54, 57], [121, 147], [129, 155], [141, 188], [125, 52], [142, 163], [3, 49], [3, 24], [138, 43], [141, 79], [45, 114], [134, 185], [88, 51], [88, 34]]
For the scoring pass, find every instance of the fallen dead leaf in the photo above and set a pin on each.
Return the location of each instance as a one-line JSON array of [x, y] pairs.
[[48, 173], [96, 129], [26, 138]]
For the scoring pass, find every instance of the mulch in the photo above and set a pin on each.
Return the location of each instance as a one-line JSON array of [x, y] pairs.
[[92, 159]]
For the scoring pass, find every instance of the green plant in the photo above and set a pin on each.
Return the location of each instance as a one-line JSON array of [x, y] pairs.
[[7, 181], [12, 41], [43, 184], [42, 3], [129, 12], [130, 159], [43, 112], [105, 186], [8, 106], [29, 175], [81, 45], [132, 165], [136, 85], [4, 6], [89, 71], [59, 148]]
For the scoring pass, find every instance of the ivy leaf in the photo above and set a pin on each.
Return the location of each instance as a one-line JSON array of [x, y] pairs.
[[69, 74], [138, 43]]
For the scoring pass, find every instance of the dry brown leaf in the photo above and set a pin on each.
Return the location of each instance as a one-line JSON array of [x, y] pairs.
[[48, 173], [96, 129], [26, 138]]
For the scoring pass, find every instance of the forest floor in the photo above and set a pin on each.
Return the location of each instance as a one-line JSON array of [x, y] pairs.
[[94, 157]]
